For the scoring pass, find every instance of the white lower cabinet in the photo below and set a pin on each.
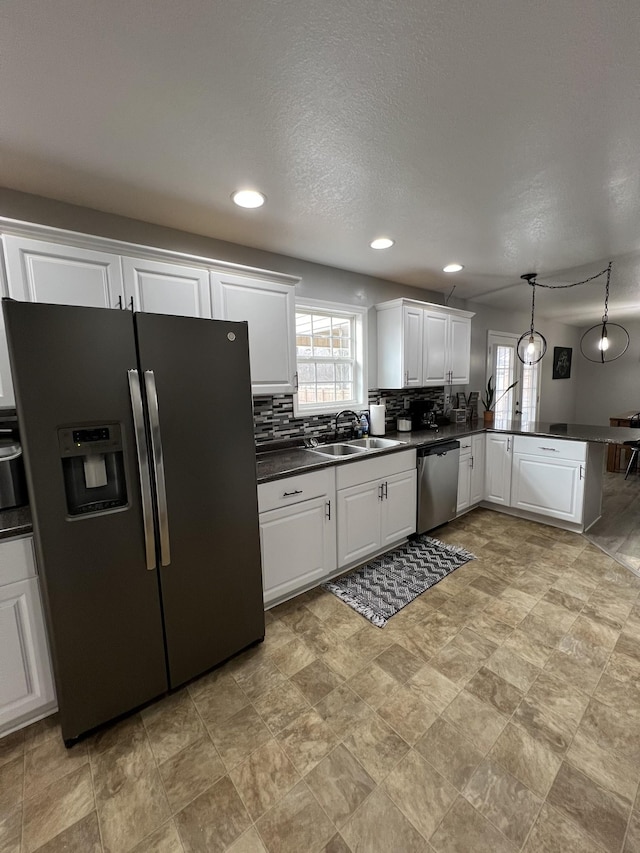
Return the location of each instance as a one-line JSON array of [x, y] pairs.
[[376, 501], [548, 477], [471, 472], [497, 479], [297, 533], [26, 681]]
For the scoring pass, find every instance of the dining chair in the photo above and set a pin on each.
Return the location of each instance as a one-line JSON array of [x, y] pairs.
[[634, 423]]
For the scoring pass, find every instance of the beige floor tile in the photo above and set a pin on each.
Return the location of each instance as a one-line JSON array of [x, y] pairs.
[[477, 720], [249, 842], [473, 644], [132, 812], [434, 687], [370, 641], [11, 828], [342, 709], [407, 713], [618, 694], [600, 814], [455, 664], [344, 661], [420, 792], [307, 740], [554, 833], [11, 746], [217, 698], [83, 836], [513, 668], [495, 691], [119, 754], [373, 684], [551, 711], [612, 729], [276, 634], [171, 724], [260, 679], [292, 656], [376, 746], [11, 783], [345, 622], [214, 820], [189, 773], [563, 599], [379, 826], [336, 845], [632, 841], [463, 829], [56, 808], [49, 762], [300, 620], [489, 627], [296, 823], [340, 784], [238, 736], [575, 669], [615, 771], [163, 840], [531, 761], [280, 706], [526, 647], [37, 733], [264, 778], [315, 681], [446, 749], [623, 667]]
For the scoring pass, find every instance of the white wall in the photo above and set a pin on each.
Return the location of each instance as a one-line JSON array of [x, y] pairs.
[[606, 390]]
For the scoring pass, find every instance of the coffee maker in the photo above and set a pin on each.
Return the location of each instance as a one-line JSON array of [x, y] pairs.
[[422, 414]]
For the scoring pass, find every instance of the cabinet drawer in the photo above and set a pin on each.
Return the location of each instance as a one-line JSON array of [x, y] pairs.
[[17, 560], [292, 490], [555, 448], [362, 471]]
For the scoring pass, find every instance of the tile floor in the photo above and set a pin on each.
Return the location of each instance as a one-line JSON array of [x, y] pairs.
[[498, 712]]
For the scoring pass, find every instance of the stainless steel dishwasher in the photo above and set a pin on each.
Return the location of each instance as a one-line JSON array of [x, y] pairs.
[[438, 467]]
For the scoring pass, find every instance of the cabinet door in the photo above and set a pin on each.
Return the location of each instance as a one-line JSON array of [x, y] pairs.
[[412, 320], [398, 509], [553, 487], [464, 476], [269, 309], [497, 487], [477, 469], [435, 360], [161, 288], [298, 545], [358, 522], [459, 349], [26, 684], [63, 275]]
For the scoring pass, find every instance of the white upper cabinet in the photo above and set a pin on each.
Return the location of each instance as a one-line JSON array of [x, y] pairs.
[[164, 288], [421, 345], [38, 271], [269, 309]]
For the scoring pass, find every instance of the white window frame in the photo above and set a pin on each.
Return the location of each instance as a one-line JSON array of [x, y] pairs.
[[515, 397], [359, 316]]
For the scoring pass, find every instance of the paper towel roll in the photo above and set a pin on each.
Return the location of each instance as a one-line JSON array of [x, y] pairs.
[[378, 411]]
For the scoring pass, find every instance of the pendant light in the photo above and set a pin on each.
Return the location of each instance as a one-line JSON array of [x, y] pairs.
[[606, 341], [531, 345]]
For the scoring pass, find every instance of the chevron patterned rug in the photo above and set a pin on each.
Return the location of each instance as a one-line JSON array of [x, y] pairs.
[[384, 586]]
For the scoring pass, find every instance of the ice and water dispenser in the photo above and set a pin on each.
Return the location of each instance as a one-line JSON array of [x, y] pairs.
[[93, 468]]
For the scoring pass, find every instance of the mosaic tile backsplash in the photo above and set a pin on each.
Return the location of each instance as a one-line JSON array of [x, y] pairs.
[[273, 417]]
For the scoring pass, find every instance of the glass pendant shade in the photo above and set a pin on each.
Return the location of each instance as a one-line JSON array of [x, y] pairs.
[[531, 347], [604, 342]]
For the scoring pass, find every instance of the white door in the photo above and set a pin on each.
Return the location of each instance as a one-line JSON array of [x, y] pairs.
[[477, 469], [464, 475], [358, 522], [398, 507], [412, 319], [505, 367], [26, 684], [269, 309], [298, 546], [459, 349], [499, 452], [435, 358], [63, 275], [162, 288], [548, 486]]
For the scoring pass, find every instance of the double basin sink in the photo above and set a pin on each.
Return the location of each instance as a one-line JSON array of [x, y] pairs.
[[354, 447]]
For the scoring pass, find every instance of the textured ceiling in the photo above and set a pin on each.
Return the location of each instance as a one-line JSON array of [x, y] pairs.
[[503, 133]]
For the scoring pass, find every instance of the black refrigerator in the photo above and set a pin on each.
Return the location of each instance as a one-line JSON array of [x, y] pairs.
[[138, 439]]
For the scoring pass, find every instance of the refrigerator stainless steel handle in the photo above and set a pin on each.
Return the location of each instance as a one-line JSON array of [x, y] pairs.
[[158, 465], [143, 467]]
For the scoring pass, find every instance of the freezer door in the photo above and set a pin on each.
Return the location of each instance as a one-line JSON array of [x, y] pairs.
[[102, 604], [199, 404]]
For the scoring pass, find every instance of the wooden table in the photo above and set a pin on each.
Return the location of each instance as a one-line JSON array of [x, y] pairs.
[[618, 455]]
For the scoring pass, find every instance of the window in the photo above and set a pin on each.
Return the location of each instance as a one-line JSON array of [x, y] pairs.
[[503, 364], [330, 346]]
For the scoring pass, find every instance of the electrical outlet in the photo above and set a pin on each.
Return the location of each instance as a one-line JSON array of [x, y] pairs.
[[447, 399], [407, 400]]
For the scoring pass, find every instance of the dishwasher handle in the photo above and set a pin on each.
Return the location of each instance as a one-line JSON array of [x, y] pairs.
[[440, 448]]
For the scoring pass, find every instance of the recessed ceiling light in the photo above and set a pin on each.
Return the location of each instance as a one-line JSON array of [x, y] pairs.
[[452, 268], [248, 198], [382, 243]]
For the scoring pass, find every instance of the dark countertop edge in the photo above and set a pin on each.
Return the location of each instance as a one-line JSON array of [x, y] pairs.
[[15, 522], [277, 464]]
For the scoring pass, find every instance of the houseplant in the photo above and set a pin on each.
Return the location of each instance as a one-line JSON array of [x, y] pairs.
[[488, 399]]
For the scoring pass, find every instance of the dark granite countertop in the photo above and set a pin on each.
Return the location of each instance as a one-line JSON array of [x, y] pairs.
[[275, 464], [15, 522]]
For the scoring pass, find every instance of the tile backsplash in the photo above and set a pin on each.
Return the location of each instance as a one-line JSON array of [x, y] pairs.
[[273, 417]]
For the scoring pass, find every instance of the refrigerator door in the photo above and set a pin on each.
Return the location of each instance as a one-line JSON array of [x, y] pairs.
[[201, 423], [70, 369]]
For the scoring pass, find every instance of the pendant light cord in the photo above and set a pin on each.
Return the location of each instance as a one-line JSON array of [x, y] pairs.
[[533, 282]]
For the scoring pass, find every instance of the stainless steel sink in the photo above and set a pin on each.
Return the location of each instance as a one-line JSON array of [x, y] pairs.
[[374, 443], [337, 450]]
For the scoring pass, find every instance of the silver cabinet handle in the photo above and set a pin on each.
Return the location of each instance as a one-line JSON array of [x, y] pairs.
[[552, 449], [120, 302], [143, 467], [295, 492], [471, 460], [380, 492], [386, 490], [158, 466], [406, 377], [295, 382], [328, 510], [131, 304], [581, 473], [508, 445]]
